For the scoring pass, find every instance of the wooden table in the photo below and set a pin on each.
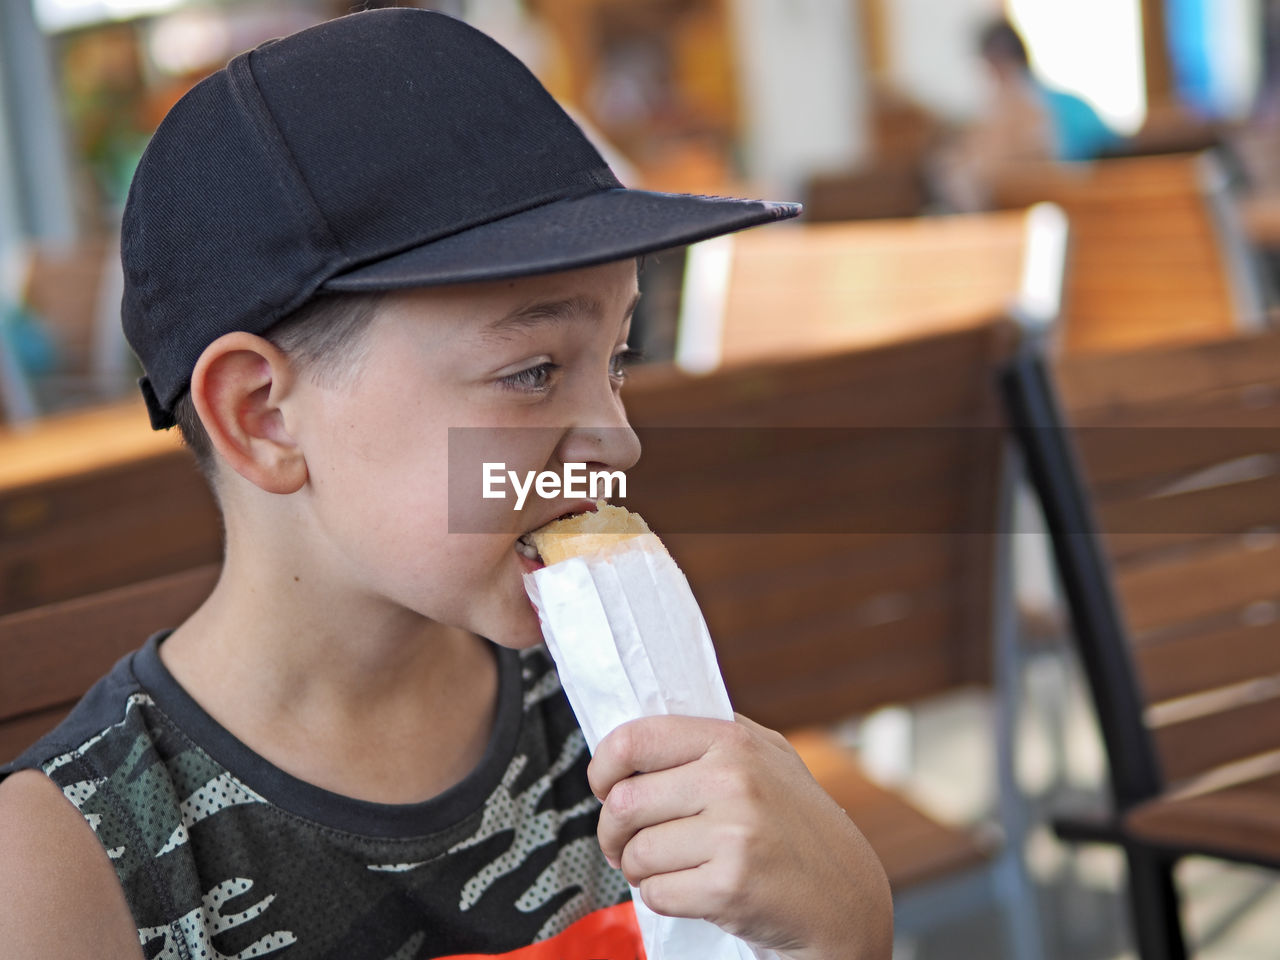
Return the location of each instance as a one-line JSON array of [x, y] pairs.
[[70, 443], [96, 500]]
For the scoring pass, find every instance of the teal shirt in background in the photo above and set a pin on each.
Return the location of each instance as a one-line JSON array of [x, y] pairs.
[[1078, 132]]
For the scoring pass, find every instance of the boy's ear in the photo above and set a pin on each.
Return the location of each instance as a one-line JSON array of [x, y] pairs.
[[238, 387]]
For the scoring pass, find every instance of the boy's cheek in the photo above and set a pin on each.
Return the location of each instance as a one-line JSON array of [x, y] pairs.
[[505, 619], [491, 477], [474, 582], [516, 623], [524, 632]]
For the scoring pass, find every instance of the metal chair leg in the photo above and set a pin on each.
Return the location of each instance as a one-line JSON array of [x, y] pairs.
[[1154, 906]]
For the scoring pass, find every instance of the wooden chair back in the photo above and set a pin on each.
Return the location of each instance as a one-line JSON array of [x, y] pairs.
[[1180, 449], [107, 534], [836, 575], [869, 583], [1152, 254], [876, 191], [834, 287], [834, 515], [53, 653]]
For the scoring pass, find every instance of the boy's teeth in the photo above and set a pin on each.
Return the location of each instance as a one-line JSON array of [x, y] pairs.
[[526, 549]]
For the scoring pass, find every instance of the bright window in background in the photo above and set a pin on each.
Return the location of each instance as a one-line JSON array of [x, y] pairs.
[[1092, 48], [58, 15]]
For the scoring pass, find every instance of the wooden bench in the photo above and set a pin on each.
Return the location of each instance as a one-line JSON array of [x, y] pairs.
[[801, 290], [835, 515], [54, 653], [1157, 253], [877, 190], [107, 533], [890, 605], [876, 588], [1164, 505]]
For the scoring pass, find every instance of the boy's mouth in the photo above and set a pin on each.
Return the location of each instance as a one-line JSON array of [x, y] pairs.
[[526, 549], [524, 543]]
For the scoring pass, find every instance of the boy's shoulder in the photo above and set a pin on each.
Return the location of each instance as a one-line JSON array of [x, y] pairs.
[[58, 892]]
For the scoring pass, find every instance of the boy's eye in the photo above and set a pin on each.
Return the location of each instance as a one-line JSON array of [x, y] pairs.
[[531, 379], [620, 361]]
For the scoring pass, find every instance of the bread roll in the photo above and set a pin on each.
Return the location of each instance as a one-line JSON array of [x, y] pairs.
[[586, 534]]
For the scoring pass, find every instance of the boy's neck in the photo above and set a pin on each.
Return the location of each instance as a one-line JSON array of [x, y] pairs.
[[340, 699]]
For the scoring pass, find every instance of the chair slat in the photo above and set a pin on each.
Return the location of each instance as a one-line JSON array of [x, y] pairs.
[[1208, 660], [18, 733], [788, 391], [1238, 822], [1153, 377], [1200, 585], [1139, 525], [1149, 459], [755, 605], [838, 664], [103, 528], [53, 653], [1193, 746]]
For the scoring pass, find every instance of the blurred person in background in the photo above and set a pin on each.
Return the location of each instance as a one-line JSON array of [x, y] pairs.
[[1069, 127], [1027, 121]]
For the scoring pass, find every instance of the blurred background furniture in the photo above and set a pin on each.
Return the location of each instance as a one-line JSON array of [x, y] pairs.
[[825, 460], [873, 573], [54, 652], [107, 533], [845, 106], [61, 343], [1158, 254], [1159, 475], [802, 290], [839, 518]]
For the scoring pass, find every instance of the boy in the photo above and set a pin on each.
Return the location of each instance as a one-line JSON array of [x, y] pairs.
[[336, 249]]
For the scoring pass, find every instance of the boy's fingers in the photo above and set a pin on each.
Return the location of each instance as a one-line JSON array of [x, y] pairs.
[[670, 847], [650, 744], [681, 893], [641, 801]]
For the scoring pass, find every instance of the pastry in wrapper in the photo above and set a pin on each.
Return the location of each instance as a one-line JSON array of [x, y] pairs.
[[629, 641], [584, 534]]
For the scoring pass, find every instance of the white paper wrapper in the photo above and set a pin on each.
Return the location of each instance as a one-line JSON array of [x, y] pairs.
[[629, 641]]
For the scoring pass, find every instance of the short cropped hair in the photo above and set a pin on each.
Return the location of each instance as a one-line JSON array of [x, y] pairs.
[[325, 337]]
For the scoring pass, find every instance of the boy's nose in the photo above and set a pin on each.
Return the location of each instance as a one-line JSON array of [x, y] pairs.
[[610, 442]]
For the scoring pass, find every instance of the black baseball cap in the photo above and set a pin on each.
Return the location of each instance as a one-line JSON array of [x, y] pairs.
[[382, 150]]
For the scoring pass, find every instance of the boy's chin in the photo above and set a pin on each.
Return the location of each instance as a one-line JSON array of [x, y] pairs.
[[518, 630]]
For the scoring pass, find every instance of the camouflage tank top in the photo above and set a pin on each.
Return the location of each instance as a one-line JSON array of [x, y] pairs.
[[222, 855]]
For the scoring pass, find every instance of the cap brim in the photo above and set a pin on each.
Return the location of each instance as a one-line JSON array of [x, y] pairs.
[[564, 235]]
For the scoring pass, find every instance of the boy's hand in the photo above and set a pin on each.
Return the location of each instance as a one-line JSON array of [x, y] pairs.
[[721, 820]]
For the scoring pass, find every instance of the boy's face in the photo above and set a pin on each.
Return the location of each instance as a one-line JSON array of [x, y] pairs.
[[539, 354]]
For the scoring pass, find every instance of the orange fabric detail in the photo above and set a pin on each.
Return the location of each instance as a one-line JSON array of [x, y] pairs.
[[608, 934]]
